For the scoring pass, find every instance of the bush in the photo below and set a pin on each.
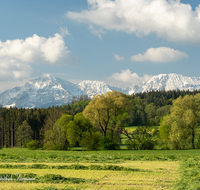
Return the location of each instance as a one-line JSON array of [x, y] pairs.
[[91, 142], [143, 138], [197, 144], [51, 146], [145, 145], [108, 143], [165, 147], [32, 145]]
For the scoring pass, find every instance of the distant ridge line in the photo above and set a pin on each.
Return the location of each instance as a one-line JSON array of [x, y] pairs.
[[48, 90]]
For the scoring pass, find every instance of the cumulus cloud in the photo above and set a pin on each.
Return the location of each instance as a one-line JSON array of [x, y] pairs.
[[126, 78], [118, 58], [161, 54], [11, 70], [16, 56], [170, 19], [36, 49]]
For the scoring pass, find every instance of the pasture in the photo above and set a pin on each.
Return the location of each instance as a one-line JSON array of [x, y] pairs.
[[119, 169]]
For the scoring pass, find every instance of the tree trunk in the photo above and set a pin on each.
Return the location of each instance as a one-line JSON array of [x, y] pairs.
[[193, 147], [2, 136], [11, 135]]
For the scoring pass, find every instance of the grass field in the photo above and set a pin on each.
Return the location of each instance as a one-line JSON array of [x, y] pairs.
[[153, 175], [131, 129], [123, 169]]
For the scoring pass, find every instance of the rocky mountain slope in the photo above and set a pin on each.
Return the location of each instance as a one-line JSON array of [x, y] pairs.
[[50, 91]]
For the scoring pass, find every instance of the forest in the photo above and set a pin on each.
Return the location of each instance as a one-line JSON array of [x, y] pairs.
[[162, 120]]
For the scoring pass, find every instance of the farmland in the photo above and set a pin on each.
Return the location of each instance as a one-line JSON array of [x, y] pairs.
[[22, 155], [124, 169]]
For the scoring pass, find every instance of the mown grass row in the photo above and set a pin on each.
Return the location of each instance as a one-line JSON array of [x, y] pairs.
[[54, 188], [189, 175], [72, 167], [47, 178]]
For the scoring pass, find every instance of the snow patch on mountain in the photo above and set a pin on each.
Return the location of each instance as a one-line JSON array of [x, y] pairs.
[[51, 91], [93, 87], [167, 82]]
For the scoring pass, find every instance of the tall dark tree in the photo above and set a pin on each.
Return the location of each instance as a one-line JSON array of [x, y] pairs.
[[24, 133]]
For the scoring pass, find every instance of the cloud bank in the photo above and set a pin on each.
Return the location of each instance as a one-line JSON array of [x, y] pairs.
[[161, 54], [16, 56], [170, 19], [126, 78]]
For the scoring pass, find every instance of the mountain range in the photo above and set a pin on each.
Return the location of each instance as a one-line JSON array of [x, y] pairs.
[[51, 91]]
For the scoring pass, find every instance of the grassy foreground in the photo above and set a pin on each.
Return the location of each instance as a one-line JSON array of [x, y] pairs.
[[121, 169]]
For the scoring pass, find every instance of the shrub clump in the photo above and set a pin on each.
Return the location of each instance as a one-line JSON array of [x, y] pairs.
[[32, 145], [110, 143]]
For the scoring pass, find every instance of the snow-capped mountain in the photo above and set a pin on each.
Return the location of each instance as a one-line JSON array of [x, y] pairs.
[[167, 82], [42, 92], [50, 91]]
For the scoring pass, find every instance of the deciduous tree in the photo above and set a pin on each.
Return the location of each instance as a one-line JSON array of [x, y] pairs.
[[107, 111], [183, 122]]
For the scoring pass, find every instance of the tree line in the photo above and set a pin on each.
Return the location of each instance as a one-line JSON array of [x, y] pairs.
[[15, 121], [101, 122]]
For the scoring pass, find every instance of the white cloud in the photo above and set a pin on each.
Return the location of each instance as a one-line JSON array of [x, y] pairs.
[[170, 19], [64, 31], [161, 54], [16, 56], [118, 58], [126, 78], [11, 70], [96, 31], [36, 49]]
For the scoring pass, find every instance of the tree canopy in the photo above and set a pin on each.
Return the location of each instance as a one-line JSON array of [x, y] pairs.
[[180, 125], [109, 112]]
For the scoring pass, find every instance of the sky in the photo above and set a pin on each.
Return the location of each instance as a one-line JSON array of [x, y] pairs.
[[120, 42]]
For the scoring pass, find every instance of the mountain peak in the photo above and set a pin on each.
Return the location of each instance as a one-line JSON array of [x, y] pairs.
[[47, 77], [43, 81]]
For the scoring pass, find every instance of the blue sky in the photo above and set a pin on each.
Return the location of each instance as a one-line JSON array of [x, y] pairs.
[[120, 42]]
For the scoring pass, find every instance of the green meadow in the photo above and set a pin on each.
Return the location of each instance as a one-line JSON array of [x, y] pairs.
[[113, 169]]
